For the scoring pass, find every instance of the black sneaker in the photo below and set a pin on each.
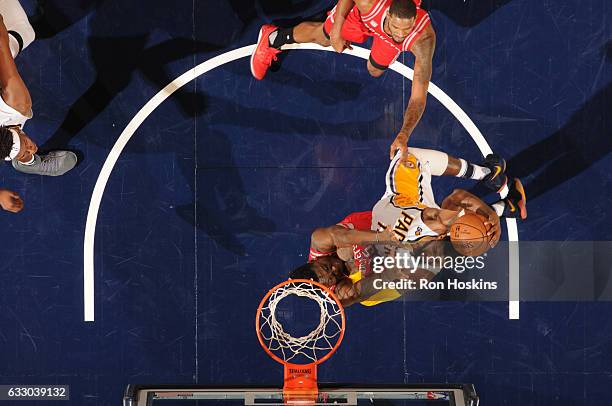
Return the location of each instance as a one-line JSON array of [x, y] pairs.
[[497, 179], [516, 201]]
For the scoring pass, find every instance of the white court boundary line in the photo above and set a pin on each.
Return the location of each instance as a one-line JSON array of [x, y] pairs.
[[162, 95]]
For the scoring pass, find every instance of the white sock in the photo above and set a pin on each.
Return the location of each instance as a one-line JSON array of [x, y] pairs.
[[499, 207], [471, 171], [479, 172], [504, 191], [30, 162], [464, 166]]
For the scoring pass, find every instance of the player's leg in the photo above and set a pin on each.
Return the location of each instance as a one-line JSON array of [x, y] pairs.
[[307, 31], [491, 171], [382, 54], [515, 203], [20, 31], [272, 38]]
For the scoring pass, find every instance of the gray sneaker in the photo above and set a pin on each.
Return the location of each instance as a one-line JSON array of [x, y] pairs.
[[55, 163]]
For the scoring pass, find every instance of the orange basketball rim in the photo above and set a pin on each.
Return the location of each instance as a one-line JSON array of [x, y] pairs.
[[300, 355]]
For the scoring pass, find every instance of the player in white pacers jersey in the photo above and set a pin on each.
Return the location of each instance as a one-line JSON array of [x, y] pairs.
[[408, 205], [342, 256], [16, 34]]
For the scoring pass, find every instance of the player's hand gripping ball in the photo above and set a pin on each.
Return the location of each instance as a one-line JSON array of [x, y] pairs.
[[469, 234]]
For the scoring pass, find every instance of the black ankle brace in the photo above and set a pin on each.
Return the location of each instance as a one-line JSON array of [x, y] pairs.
[[283, 36]]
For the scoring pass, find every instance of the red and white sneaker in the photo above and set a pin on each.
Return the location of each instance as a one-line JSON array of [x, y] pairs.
[[264, 54]]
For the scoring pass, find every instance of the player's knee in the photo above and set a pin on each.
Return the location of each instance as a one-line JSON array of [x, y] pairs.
[[324, 42], [375, 73]]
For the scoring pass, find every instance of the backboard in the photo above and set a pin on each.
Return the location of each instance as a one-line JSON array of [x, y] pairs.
[[344, 395]]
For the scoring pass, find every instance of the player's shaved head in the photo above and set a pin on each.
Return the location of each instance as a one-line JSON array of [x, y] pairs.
[[403, 9], [6, 142]]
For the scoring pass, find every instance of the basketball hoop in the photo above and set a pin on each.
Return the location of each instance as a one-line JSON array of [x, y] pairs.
[[314, 348]]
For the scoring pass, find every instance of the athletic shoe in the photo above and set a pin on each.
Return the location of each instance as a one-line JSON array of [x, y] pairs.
[[264, 54], [55, 163], [497, 179], [516, 201]]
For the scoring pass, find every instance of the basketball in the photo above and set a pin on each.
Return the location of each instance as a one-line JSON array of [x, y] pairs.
[[469, 234]]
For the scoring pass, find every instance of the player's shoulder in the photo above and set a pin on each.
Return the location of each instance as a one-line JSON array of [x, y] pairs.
[[427, 34], [426, 41]]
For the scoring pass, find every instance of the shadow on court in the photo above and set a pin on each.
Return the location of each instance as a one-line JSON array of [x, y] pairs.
[[466, 13], [116, 59], [222, 210], [136, 55], [579, 144], [55, 16], [112, 78]]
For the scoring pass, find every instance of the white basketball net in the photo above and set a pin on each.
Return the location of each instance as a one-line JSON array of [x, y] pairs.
[[313, 346]]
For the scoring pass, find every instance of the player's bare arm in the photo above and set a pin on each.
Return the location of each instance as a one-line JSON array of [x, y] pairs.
[[14, 91], [373, 70], [439, 220], [335, 35], [423, 51], [462, 199], [343, 8], [329, 239]]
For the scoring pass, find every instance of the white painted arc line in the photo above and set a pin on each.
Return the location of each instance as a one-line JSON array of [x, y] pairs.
[[434, 90], [514, 279], [162, 95], [113, 156], [514, 310]]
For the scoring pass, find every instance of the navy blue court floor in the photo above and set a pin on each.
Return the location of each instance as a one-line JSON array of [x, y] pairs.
[[214, 197]]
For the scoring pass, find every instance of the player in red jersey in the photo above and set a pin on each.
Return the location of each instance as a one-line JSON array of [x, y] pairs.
[[395, 25]]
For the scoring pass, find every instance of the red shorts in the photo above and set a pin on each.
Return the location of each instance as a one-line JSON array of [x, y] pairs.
[[354, 221], [354, 30], [361, 220]]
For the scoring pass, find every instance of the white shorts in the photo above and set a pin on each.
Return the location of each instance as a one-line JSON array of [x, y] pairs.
[[21, 33]]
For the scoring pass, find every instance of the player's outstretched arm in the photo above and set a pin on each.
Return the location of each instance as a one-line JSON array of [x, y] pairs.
[[329, 239], [10, 201], [14, 91], [423, 51], [343, 8]]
